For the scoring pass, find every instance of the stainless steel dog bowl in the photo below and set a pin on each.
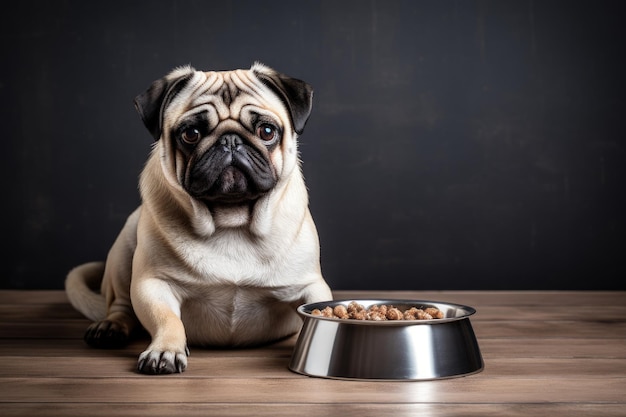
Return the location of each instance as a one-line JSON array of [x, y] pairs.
[[387, 350]]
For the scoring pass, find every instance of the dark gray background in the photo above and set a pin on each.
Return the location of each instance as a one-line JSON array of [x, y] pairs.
[[453, 144]]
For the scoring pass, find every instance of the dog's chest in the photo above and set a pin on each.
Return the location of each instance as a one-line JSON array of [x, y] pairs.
[[239, 293], [234, 315], [232, 260]]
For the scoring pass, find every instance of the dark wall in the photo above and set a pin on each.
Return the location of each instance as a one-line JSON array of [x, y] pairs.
[[453, 144]]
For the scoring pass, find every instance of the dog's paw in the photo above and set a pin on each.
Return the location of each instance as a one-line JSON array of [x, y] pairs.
[[158, 362], [107, 334]]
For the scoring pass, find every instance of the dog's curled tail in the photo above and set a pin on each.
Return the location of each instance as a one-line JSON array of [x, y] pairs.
[[82, 287]]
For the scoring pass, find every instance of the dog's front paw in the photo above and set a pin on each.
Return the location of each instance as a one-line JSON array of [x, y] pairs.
[[162, 362], [107, 334]]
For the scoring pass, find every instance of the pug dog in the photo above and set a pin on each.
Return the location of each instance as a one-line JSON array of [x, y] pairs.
[[223, 247]]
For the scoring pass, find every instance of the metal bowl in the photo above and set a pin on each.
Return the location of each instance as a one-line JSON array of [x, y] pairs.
[[387, 350]]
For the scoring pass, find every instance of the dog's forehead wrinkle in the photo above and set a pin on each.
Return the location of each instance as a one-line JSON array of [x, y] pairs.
[[203, 83], [246, 83], [228, 92]]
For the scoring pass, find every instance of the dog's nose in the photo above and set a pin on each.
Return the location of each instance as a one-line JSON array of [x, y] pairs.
[[230, 141]]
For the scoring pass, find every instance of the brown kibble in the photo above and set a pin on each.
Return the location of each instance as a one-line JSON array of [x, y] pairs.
[[422, 315], [378, 309], [356, 311], [355, 307], [394, 314], [376, 316], [327, 312], [410, 314], [378, 312], [340, 311], [434, 312], [358, 315]]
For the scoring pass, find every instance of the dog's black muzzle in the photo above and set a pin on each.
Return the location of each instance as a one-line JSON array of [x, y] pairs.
[[231, 171]]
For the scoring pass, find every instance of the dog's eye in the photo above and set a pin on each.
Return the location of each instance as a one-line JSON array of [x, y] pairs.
[[191, 135], [266, 132]]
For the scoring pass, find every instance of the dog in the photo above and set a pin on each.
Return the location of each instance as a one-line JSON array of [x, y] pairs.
[[223, 247]]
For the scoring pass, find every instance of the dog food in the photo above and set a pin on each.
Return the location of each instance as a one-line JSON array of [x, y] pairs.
[[377, 312]]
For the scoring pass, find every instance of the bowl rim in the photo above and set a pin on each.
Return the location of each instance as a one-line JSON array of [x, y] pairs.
[[304, 310]]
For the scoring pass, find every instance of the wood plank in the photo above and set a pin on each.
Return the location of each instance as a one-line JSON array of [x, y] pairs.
[[311, 409], [473, 389], [29, 312], [44, 329], [537, 347], [74, 329], [585, 313], [491, 348], [549, 329], [546, 353], [200, 409], [73, 348], [25, 297], [220, 367]]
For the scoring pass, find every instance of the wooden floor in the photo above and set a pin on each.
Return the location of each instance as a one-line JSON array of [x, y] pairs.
[[545, 353]]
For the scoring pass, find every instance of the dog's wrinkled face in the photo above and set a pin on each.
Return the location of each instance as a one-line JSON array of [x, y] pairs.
[[227, 137]]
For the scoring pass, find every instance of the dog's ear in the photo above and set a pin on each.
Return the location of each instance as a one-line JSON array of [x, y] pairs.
[[295, 94], [152, 103]]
